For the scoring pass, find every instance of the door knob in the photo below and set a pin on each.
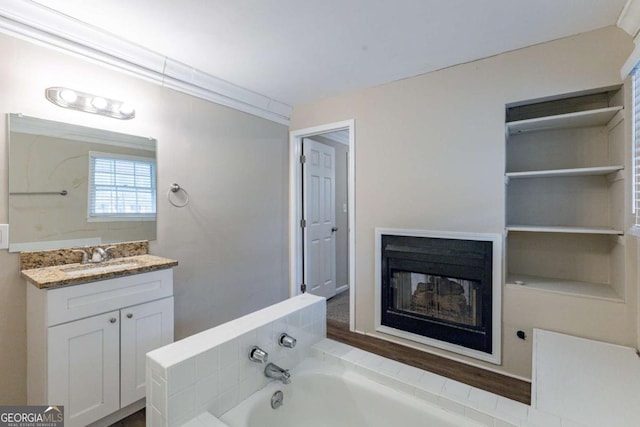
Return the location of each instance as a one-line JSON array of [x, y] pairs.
[[129, 315], [334, 229], [112, 320]]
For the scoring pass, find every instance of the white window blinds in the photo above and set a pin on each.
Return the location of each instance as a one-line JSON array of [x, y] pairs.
[[121, 187], [636, 144]]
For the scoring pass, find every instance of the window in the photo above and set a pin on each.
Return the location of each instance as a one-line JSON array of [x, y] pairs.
[[636, 145], [121, 188]]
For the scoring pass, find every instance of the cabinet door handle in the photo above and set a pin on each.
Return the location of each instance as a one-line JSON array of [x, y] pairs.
[[129, 315], [112, 320]]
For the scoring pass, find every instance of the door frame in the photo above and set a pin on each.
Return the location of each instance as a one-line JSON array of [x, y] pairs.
[[296, 249]]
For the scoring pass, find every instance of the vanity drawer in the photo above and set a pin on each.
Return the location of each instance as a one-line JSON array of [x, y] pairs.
[[79, 301]]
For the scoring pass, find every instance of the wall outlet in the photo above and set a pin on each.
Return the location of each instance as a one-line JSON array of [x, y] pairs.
[[4, 236]]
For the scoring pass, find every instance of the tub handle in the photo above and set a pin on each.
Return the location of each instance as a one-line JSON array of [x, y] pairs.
[[258, 355], [287, 341]]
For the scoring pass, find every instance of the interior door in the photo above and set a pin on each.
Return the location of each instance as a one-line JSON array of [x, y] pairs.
[[319, 214]]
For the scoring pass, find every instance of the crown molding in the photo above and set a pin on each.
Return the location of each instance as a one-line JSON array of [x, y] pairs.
[[629, 19], [36, 23]]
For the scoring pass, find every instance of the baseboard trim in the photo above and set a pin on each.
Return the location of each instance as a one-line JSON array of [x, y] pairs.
[[120, 414], [341, 289]]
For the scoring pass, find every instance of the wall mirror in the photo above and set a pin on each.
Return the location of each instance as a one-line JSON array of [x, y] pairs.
[[72, 185]]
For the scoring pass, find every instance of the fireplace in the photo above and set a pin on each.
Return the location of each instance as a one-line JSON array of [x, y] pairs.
[[441, 289]]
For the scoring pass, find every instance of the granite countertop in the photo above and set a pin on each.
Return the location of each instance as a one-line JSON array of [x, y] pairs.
[[73, 274]]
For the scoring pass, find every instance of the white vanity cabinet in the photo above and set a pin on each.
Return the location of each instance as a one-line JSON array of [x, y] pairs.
[[87, 343]]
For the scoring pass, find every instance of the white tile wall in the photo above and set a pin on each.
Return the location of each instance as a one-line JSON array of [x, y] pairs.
[[210, 372]]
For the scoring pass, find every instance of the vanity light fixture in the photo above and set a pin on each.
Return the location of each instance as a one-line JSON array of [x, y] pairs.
[[69, 98]]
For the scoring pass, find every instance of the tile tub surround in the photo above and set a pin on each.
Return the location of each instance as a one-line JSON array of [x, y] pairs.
[[211, 372], [54, 276], [486, 409], [48, 258]]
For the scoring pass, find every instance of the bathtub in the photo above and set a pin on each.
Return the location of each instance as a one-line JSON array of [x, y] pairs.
[[325, 394]]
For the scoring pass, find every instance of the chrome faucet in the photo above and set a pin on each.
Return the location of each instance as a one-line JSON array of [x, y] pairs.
[[100, 255], [85, 256], [277, 373]]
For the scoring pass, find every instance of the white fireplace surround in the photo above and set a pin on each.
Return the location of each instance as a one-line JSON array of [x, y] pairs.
[[496, 239]]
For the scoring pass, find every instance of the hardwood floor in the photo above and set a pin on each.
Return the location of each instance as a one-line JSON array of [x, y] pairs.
[[490, 381], [136, 419]]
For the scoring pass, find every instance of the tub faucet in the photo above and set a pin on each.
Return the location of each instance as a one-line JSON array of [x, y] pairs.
[[277, 373]]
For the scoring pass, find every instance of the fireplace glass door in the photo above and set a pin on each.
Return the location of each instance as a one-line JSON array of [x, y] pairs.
[[441, 298]]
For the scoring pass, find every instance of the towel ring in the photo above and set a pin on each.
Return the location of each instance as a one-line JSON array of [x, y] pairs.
[[174, 189]]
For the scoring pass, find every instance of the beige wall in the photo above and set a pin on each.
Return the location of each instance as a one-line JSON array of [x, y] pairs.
[[231, 241], [430, 154]]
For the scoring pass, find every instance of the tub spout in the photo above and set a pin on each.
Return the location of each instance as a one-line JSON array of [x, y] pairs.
[[277, 373]]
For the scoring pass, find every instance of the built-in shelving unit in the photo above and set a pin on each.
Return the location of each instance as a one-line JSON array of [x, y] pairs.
[[567, 287], [596, 117], [594, 171], [565, 195], [561, 229]]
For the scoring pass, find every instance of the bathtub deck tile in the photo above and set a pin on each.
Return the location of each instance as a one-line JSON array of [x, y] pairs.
[[426, 395], [483, 399], [456, 390], [432, 383], [334, 347], [512, 408], [450, 405], [410, 375], [390, 367], [354, 355], [371, 361]]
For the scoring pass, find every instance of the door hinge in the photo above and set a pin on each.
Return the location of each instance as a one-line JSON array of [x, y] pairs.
[[303, 288], [303, 159], [303, 223]]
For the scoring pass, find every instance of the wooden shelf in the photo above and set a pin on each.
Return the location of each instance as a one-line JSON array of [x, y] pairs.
[[564, 229], [600, 170], [562, 286], [599, 117]]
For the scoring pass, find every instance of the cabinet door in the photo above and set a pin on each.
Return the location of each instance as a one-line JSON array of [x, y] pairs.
[[145, 327], [84, 362]]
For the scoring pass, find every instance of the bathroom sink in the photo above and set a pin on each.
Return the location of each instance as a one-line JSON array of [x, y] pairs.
[[103, 267]]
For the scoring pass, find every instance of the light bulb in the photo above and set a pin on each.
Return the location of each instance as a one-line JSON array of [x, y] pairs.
[[99, 103], [126, 108], [69, 96]]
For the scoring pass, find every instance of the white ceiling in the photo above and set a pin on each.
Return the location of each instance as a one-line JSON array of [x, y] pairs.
[[298, 51]]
